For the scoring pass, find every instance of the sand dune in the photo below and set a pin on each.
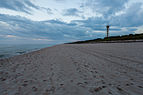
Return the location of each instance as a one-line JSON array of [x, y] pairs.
[[75, 69]]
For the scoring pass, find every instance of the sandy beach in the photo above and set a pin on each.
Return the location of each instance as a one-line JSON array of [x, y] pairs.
[[75, 69]]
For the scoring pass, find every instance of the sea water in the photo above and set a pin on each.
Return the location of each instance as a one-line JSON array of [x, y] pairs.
[[8, 50]]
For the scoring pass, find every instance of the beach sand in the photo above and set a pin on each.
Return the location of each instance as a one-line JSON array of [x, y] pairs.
[[75, 69]]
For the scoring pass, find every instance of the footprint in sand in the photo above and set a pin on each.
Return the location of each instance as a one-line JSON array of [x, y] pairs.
[[140, 86], [93, 90], [34, 89], [51, 69]]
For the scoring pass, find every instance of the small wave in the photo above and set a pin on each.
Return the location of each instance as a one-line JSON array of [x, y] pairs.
[[21, 52], [2, 56]]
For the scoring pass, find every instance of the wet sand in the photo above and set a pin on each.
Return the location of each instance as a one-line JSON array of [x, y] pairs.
[[75, 69]]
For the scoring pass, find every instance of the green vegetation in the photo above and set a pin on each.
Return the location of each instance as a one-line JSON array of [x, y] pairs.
[[130, 37]]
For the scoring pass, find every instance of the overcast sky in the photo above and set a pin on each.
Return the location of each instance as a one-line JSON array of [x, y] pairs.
[[59, 21]]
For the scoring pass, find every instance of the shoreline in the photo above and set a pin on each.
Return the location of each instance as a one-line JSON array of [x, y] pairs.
[[23, 52], [103, 42]]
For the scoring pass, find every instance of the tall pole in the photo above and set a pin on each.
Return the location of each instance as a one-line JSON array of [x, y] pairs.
[[107, 30]]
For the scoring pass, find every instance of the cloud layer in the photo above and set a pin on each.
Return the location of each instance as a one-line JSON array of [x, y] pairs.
[[106, 7], [18, 5], [86, 20]]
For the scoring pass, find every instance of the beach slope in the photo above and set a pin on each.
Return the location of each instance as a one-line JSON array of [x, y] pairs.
[[75, 69]]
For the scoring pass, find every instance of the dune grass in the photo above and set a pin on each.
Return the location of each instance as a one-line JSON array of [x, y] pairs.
[[113, 38]]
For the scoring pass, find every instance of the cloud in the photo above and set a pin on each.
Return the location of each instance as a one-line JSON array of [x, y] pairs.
[[96, 23], [60, 1], [121, 13], [105, 7], [48, 10], [56, 31], [11, 36], [131, 18], [72, 12], [124, 16], [43, 40], [18, 5], [51, 30], [139, 30]]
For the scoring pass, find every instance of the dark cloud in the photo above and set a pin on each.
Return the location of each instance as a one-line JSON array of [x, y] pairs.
[[95, 23], [131, 18], [18, 5], [52, 29], [59, 31], [91, 28], [71, 12], [55, 29], [105, 7]]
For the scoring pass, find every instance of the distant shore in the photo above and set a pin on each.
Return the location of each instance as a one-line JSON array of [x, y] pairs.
[[114, 39], [118, 41]]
